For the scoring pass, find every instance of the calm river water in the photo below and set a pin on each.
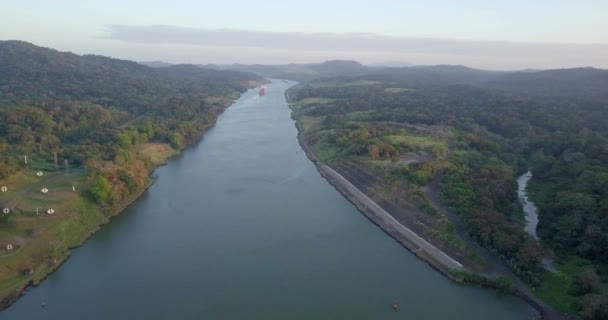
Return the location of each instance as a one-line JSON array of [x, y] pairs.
[[242, 226]]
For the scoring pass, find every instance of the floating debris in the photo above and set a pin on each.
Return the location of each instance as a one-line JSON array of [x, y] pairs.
[[395, 306]]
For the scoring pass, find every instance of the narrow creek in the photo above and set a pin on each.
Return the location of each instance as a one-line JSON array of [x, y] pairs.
[[530, 209]]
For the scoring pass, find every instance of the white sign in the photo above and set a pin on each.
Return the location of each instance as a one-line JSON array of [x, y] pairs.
[[9, 247], [44, 190], [6, 210], [4, 189], [50, 211], [39, 173]]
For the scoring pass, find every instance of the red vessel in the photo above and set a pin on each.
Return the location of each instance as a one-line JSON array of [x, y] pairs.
[[262, 91]]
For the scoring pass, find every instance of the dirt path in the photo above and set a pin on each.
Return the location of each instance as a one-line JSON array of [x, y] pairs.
[[422, 244]]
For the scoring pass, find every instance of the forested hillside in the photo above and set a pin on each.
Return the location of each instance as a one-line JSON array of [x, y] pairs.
[[106, 124], [472, 133], [90, 108]]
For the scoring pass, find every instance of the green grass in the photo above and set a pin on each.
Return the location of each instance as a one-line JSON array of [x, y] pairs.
[[42, 236], [398, 90], [315, 100], [327, 152], [555, 287], [17, 183], [342, 84], [308, 124], [157, 153], [417, 141]]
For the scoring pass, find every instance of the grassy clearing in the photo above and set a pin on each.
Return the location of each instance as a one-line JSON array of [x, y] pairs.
[[309, 124], [309, 101], [157, 153], [417, 141], [555, 288], [40, 239], [16, 182], [398, 90], [342, 84], [326, 151]]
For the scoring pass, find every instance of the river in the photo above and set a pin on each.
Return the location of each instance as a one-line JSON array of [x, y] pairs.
[[242, 226], [529, 207]]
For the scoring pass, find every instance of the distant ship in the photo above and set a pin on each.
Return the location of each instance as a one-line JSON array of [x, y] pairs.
[[262, 91]]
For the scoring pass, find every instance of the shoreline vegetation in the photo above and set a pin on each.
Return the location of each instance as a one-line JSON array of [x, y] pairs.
[[412, 204], [161, 153], [80, 137], [467, 277]]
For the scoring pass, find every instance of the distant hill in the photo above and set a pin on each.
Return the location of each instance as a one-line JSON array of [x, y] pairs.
[[580, 82], [303, 72], [156, 64], [440, 74], [28, 72], [340, 68]]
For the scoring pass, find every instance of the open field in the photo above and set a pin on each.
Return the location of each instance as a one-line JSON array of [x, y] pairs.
[[342, 84], [398, 90], [40, 240], [417, 141], [157, 153]]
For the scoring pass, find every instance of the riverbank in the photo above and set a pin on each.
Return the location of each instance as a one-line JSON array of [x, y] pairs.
[[77, 221], [434, 257]]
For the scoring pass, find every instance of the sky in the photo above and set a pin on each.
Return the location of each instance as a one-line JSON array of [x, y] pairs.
[[513, 34]]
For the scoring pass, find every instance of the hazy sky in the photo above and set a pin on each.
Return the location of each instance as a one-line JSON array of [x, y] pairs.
[[509, 35]]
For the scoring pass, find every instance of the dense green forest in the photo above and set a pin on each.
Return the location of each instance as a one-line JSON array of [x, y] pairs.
[[112, 121], [499, 124], [90, 109]]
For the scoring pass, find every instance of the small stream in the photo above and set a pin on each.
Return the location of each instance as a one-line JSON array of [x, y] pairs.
[[529, 207], [531, 213]]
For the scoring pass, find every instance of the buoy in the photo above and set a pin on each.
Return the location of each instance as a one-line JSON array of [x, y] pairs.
[[395, 306]]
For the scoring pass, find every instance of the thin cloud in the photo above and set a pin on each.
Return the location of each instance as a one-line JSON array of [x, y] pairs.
[[361, 43]]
